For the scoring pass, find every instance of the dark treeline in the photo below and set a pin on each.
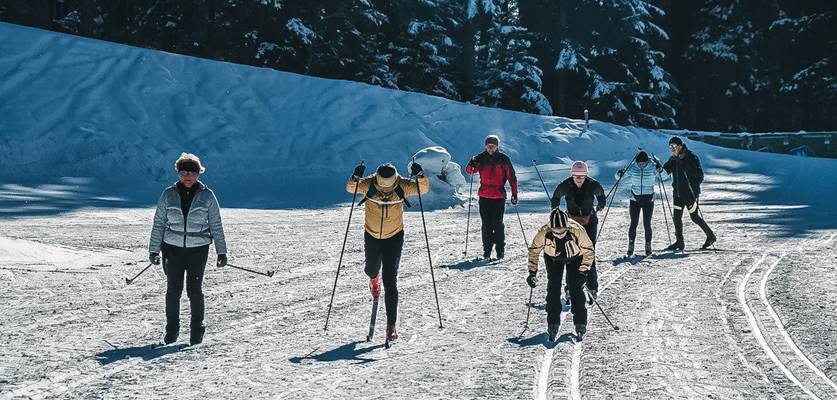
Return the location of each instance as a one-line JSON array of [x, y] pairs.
[[725, 65]]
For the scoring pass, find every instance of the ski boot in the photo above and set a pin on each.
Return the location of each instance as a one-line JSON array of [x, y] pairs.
[[196, 335], [552, 331], [391, 334], [630, 248], [500, 254], [647, 248], [710, 240], [676, 246], [171, 334], [580, 330], [375, 286]]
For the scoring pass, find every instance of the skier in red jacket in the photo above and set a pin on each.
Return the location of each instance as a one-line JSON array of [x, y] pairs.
[[495, 168]]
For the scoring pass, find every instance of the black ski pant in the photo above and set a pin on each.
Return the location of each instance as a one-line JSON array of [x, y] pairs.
[[644, 203], [386, 253], [493, 229], [176, 262], [592, 276], [575, 281], [694, 214]]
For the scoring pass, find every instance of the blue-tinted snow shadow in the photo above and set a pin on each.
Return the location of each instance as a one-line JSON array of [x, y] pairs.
[[348, 352], [147, 352], [468, 264], [540, 339]]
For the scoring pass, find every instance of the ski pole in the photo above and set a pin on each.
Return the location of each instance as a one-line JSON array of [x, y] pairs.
[[534, 163], [615, 185], [662, 201], [468, 224], [615, 327], [267, 274], [129, 281], [427, 242], [340, 261], [531, 290]]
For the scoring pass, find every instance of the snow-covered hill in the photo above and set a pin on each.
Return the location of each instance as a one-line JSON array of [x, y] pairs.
[[95, 123]]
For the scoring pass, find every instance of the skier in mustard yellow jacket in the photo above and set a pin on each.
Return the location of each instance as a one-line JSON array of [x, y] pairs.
[[385, 194], [564, 243]]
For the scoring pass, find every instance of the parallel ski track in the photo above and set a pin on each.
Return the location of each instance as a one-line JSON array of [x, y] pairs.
[[542, 377], [774, 338]]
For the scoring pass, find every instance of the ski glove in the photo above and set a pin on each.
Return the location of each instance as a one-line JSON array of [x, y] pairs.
[[222, 260], [620, 172], [473, 162], [599, 208], [514, 199], [415, 170], [657, 164], [532, 279], [359, 171], [154, 258]]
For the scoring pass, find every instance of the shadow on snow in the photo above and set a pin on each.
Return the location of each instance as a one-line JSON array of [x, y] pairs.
[[348, 351]]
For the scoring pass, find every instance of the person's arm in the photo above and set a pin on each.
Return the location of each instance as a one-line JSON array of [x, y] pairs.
[[536, 248], [411, 189], [556, 196], [588, 254], [697, 170], [474, 164], [512, 181], [601, 200], [158, 228], [216, 227], [361, 184]]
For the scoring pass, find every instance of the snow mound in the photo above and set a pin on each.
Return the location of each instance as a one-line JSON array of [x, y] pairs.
[[445, 176]]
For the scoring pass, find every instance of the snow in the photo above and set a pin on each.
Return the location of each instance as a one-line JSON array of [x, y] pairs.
[[297, 27], [91, 130]]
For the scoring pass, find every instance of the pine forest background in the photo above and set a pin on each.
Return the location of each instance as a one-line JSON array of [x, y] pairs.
[[717, 65]]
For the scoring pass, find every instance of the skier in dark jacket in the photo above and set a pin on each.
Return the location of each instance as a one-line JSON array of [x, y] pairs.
[[686, 177], [580, 190], [495, 168], [187, 220]]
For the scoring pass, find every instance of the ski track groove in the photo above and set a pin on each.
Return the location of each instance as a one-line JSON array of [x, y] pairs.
[[542, 381], [773, 337]]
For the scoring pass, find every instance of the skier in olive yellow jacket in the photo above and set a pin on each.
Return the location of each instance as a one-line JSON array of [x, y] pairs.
[[564, 243], [383, 238]]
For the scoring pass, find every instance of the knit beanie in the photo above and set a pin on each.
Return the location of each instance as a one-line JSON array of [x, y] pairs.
[[492, 139], [579, 168]]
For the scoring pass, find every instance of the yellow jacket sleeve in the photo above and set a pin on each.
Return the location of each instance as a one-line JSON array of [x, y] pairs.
[[585, 245], [362, 185], [409, 186], [536, 247]]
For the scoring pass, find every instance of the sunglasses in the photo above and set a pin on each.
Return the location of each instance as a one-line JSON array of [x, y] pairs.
[[187, 173]]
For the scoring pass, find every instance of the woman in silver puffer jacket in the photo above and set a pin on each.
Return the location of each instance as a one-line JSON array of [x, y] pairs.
[[187, 220]]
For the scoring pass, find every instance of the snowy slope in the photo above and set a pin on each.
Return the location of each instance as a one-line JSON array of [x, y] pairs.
[[101, 124]]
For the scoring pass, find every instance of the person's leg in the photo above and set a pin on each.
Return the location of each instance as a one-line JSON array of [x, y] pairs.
[[174, 267], [633, 211], [391, 258], [554, 273], [500, 227], [593, 275], [576, 283], [647, 214], [677, 218], [487, 226], [195, 268], [696, 218], [372, 255]]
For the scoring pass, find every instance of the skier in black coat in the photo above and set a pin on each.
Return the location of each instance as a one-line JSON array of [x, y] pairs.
[[686, 177], [579, 191]]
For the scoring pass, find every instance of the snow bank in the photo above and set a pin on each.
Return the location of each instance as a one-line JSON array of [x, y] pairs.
[[115, 118]]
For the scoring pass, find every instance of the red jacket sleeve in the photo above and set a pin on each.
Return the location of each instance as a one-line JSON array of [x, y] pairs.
[[472, 170], [512, 178]]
